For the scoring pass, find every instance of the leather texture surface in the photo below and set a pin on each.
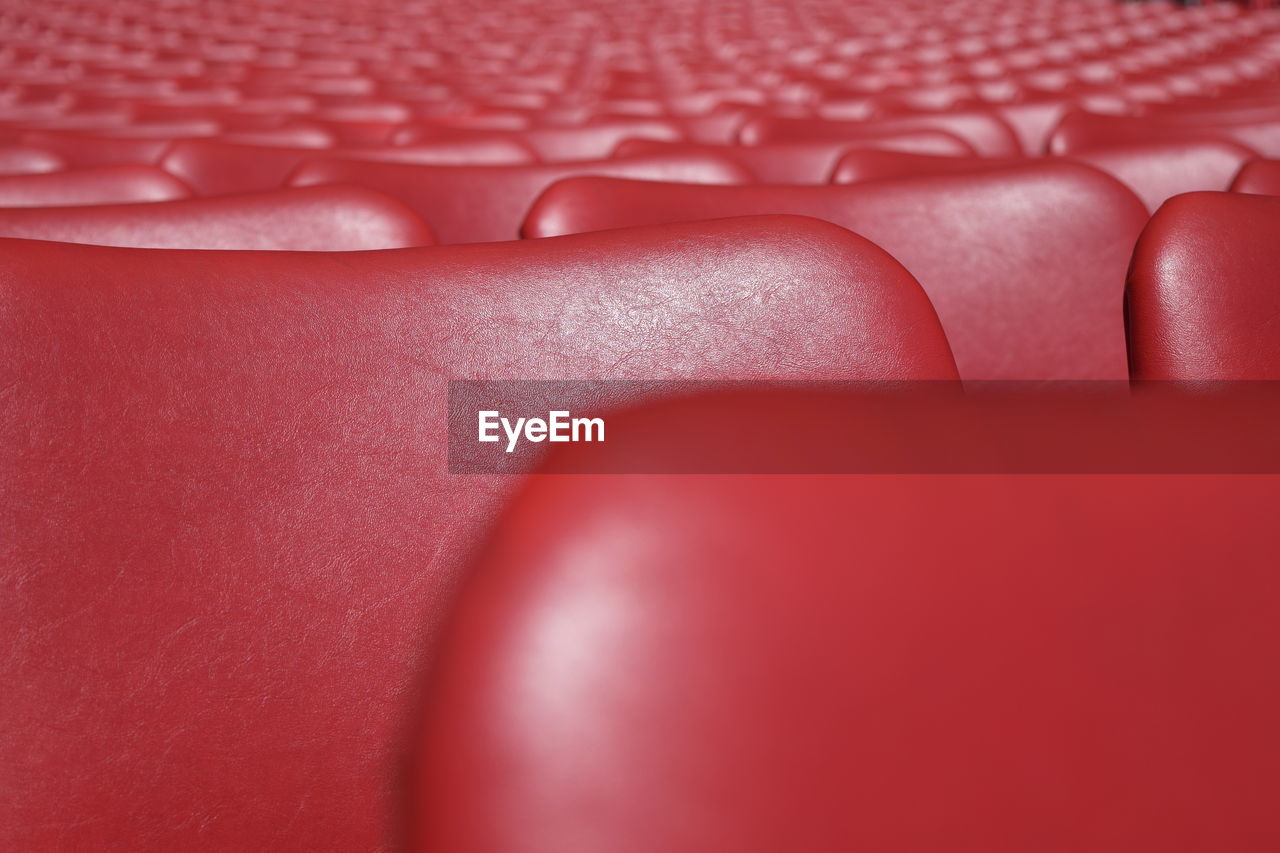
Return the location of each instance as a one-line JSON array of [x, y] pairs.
[[926, 663], [29, 160], [218, 167], [1256, 129], [317, 219], [487, 203], [1202, 300], [986, 132], [805, 162], [1259, 177], [88, 150], [103, 185], [871, 164], [1039, 300], [591, 141], [1156, 171], [232, 532]]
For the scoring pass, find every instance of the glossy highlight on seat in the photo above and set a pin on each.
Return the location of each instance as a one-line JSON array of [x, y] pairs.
[[1040, 301]]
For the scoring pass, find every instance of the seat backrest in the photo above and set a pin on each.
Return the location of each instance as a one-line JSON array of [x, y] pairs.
[[986, 132], [1025, 264], [83, 150], [1259, 177], [334, 219], [217, 167], [472, 204], [1259, 132], [102, 185], [1202, 300], [29, 160], [1157, 171], [811, 663], [230, 507], [591, 141], [807, 161], [872, 165]]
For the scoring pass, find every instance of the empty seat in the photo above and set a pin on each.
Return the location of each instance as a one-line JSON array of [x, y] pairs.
[[29, 160], [560, 144], [804, 162], [88, 150], [986, 132], [1258, 176], [103, 185], [1259, 132], [471, 204], [1157, 171], [1034, 120], [1202, 301], [815, 663], [337, 218], [217, 167], [214, 167], [1025, 264], [230, 506], [862, 165]]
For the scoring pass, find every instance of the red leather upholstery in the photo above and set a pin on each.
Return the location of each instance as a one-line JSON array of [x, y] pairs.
[[1258, 176], [227, 511], [104, 185], [230, 511], [27, 160], [472, 204], [1202, 297], [986, 132], [338, 218], [215, 167], [1025, 264], [566, 144], [1258, 131], [805, 162], [1157, 171], [862, 165], [88, 150], [764, 663]]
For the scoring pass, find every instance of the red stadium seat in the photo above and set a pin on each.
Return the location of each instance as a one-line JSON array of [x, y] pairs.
[[104, 185], [472, 204], [986, 132], [1202, 299], [338, 218], [1259, 177], [870, 164], [1025, 264], [1157, 171], [217, 167], [84, 150], [230, 503], [1259, 132], [561, 144], [28, 160], [806, 162], [764, 663]]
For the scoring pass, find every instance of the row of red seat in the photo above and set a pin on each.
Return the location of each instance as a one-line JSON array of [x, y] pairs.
[[233, 545], [230, 516], [1040, 300]]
